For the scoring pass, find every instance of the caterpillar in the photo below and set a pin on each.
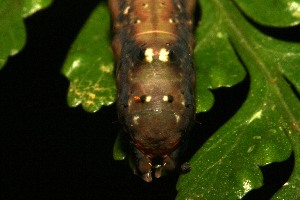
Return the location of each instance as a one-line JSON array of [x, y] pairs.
[[153, 44]]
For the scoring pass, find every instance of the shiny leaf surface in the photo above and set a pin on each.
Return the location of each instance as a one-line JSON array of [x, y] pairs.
[[264, 130], [90, 64], [279, 13], [31, 6], [12, 34]]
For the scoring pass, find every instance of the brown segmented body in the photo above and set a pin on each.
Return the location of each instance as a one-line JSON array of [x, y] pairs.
[[153, 43]]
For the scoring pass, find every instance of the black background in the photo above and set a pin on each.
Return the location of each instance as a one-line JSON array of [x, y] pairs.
[[51, 151]]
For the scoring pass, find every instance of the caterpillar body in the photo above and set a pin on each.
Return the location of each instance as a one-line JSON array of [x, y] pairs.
[[153, 43]]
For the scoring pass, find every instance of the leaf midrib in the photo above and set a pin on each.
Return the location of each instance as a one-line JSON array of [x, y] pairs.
[[248, 46]]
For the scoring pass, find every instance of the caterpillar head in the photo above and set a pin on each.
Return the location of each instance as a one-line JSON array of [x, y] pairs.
[[157, 110]]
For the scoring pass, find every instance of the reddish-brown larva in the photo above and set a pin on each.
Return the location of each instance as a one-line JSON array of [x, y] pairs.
[[153, 43]]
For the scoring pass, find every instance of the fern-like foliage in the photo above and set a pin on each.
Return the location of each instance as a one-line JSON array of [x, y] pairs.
[[266, 129]]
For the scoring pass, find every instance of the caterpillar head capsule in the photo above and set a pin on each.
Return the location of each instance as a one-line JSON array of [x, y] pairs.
[[157, 137], [157, 109]]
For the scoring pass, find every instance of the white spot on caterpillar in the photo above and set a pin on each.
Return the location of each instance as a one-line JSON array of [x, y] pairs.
[[168, 98], [177, 118], [145, 5], [135, 119], [163, 55], [165, 98], [148, 99], [137, 21], [149, 55], [126, 10], [179, 7], [171, 21]]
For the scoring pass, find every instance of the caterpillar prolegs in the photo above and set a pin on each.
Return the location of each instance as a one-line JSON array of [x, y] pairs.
[[153, 43]]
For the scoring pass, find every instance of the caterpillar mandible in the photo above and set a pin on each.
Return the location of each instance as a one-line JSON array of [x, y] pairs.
[[155, 77]]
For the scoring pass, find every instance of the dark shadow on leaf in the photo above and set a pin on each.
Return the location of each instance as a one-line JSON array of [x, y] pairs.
[[289, 34], [275, 175], [227, 103], [293, 87]]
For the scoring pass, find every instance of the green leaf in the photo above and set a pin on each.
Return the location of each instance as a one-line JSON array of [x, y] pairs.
[[119, 151], [31, 6], [90, 64], [12, 34], [279, 13], [266, 128], [217, 65]]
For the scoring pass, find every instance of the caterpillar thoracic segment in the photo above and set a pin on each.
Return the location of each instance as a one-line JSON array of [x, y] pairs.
[[153, 43]]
